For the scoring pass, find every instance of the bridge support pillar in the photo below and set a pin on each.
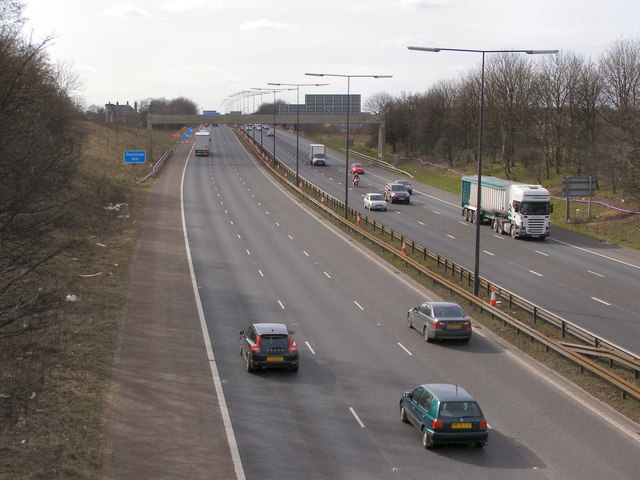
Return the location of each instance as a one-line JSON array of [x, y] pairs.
[[382, 144]]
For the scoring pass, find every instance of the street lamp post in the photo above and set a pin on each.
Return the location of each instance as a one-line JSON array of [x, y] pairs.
[[346, 162], [476, 271], [298, 85], [274, 90]]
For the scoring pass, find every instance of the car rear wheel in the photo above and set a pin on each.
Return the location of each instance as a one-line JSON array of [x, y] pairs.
[[480, 444], [403, 415], [426, 441], [295, 367], [427, 337], [249, 363]]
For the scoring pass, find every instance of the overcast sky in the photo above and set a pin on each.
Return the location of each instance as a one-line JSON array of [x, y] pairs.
[[207, 50]]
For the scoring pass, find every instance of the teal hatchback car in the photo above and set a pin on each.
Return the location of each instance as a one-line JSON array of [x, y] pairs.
[[444, 413]]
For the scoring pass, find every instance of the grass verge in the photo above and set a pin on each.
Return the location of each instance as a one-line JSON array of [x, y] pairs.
[[54, 383]]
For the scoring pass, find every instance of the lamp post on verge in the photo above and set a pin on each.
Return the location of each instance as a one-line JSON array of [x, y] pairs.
[[298, 85], [476, 271], [274, 90], [346, 162]]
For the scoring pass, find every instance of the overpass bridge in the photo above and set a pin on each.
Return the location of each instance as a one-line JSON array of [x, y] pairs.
[[353, 119]]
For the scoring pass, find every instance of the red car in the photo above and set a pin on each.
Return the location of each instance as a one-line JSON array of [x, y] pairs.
[[357, 168]]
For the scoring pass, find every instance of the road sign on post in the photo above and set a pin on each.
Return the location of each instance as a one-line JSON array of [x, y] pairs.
[[578, 187], [135, 156]]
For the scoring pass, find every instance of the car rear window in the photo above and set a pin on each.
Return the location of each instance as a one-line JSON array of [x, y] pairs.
[[459, 409], [274, 342], [448, 312]]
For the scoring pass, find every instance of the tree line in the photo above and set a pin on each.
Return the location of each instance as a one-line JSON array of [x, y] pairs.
[[557, 114]]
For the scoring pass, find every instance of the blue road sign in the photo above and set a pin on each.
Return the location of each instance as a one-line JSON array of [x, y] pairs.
[[135, 156], [186, 134]]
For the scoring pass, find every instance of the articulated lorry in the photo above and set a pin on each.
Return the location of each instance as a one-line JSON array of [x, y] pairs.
[[317, 154], [202, 141], [515, 209]]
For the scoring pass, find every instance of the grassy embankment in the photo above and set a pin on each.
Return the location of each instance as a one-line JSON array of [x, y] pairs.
[[55, 382]]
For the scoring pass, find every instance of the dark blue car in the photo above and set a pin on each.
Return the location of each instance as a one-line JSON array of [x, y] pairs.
[[444, 413]]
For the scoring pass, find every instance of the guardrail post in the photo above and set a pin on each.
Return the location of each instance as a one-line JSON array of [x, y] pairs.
[[535, 314]]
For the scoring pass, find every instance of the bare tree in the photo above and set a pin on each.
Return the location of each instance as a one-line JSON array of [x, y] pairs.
[[378, 103], [620, 73], [38, 154], [620, 70], [509, 82]]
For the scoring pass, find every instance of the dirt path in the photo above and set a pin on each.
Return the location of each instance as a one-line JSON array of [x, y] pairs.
[[165, 422]]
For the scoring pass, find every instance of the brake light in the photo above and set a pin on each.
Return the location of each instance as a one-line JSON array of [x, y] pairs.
[[256, 347], [437, 324], [437, 423], [482, 424], [292, 346], [468, 324]]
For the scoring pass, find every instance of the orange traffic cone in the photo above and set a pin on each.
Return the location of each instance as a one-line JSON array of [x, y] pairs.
[[322, 201], [404, 247], [358, 219], [300, 185], [493, 302]]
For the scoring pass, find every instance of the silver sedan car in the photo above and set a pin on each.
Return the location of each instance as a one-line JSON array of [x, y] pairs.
[[440, 320], [374, 201]]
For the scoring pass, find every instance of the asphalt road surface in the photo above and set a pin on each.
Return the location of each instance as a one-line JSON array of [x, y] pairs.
[[588, 282], [259, 256]]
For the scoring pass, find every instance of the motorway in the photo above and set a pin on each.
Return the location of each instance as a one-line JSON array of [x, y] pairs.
[[260, 256], [590, 283]]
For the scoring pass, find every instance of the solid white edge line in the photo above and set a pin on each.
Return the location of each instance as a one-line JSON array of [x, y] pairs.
[[222, 403], [596, 253], [579, 398], [355, 415]]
